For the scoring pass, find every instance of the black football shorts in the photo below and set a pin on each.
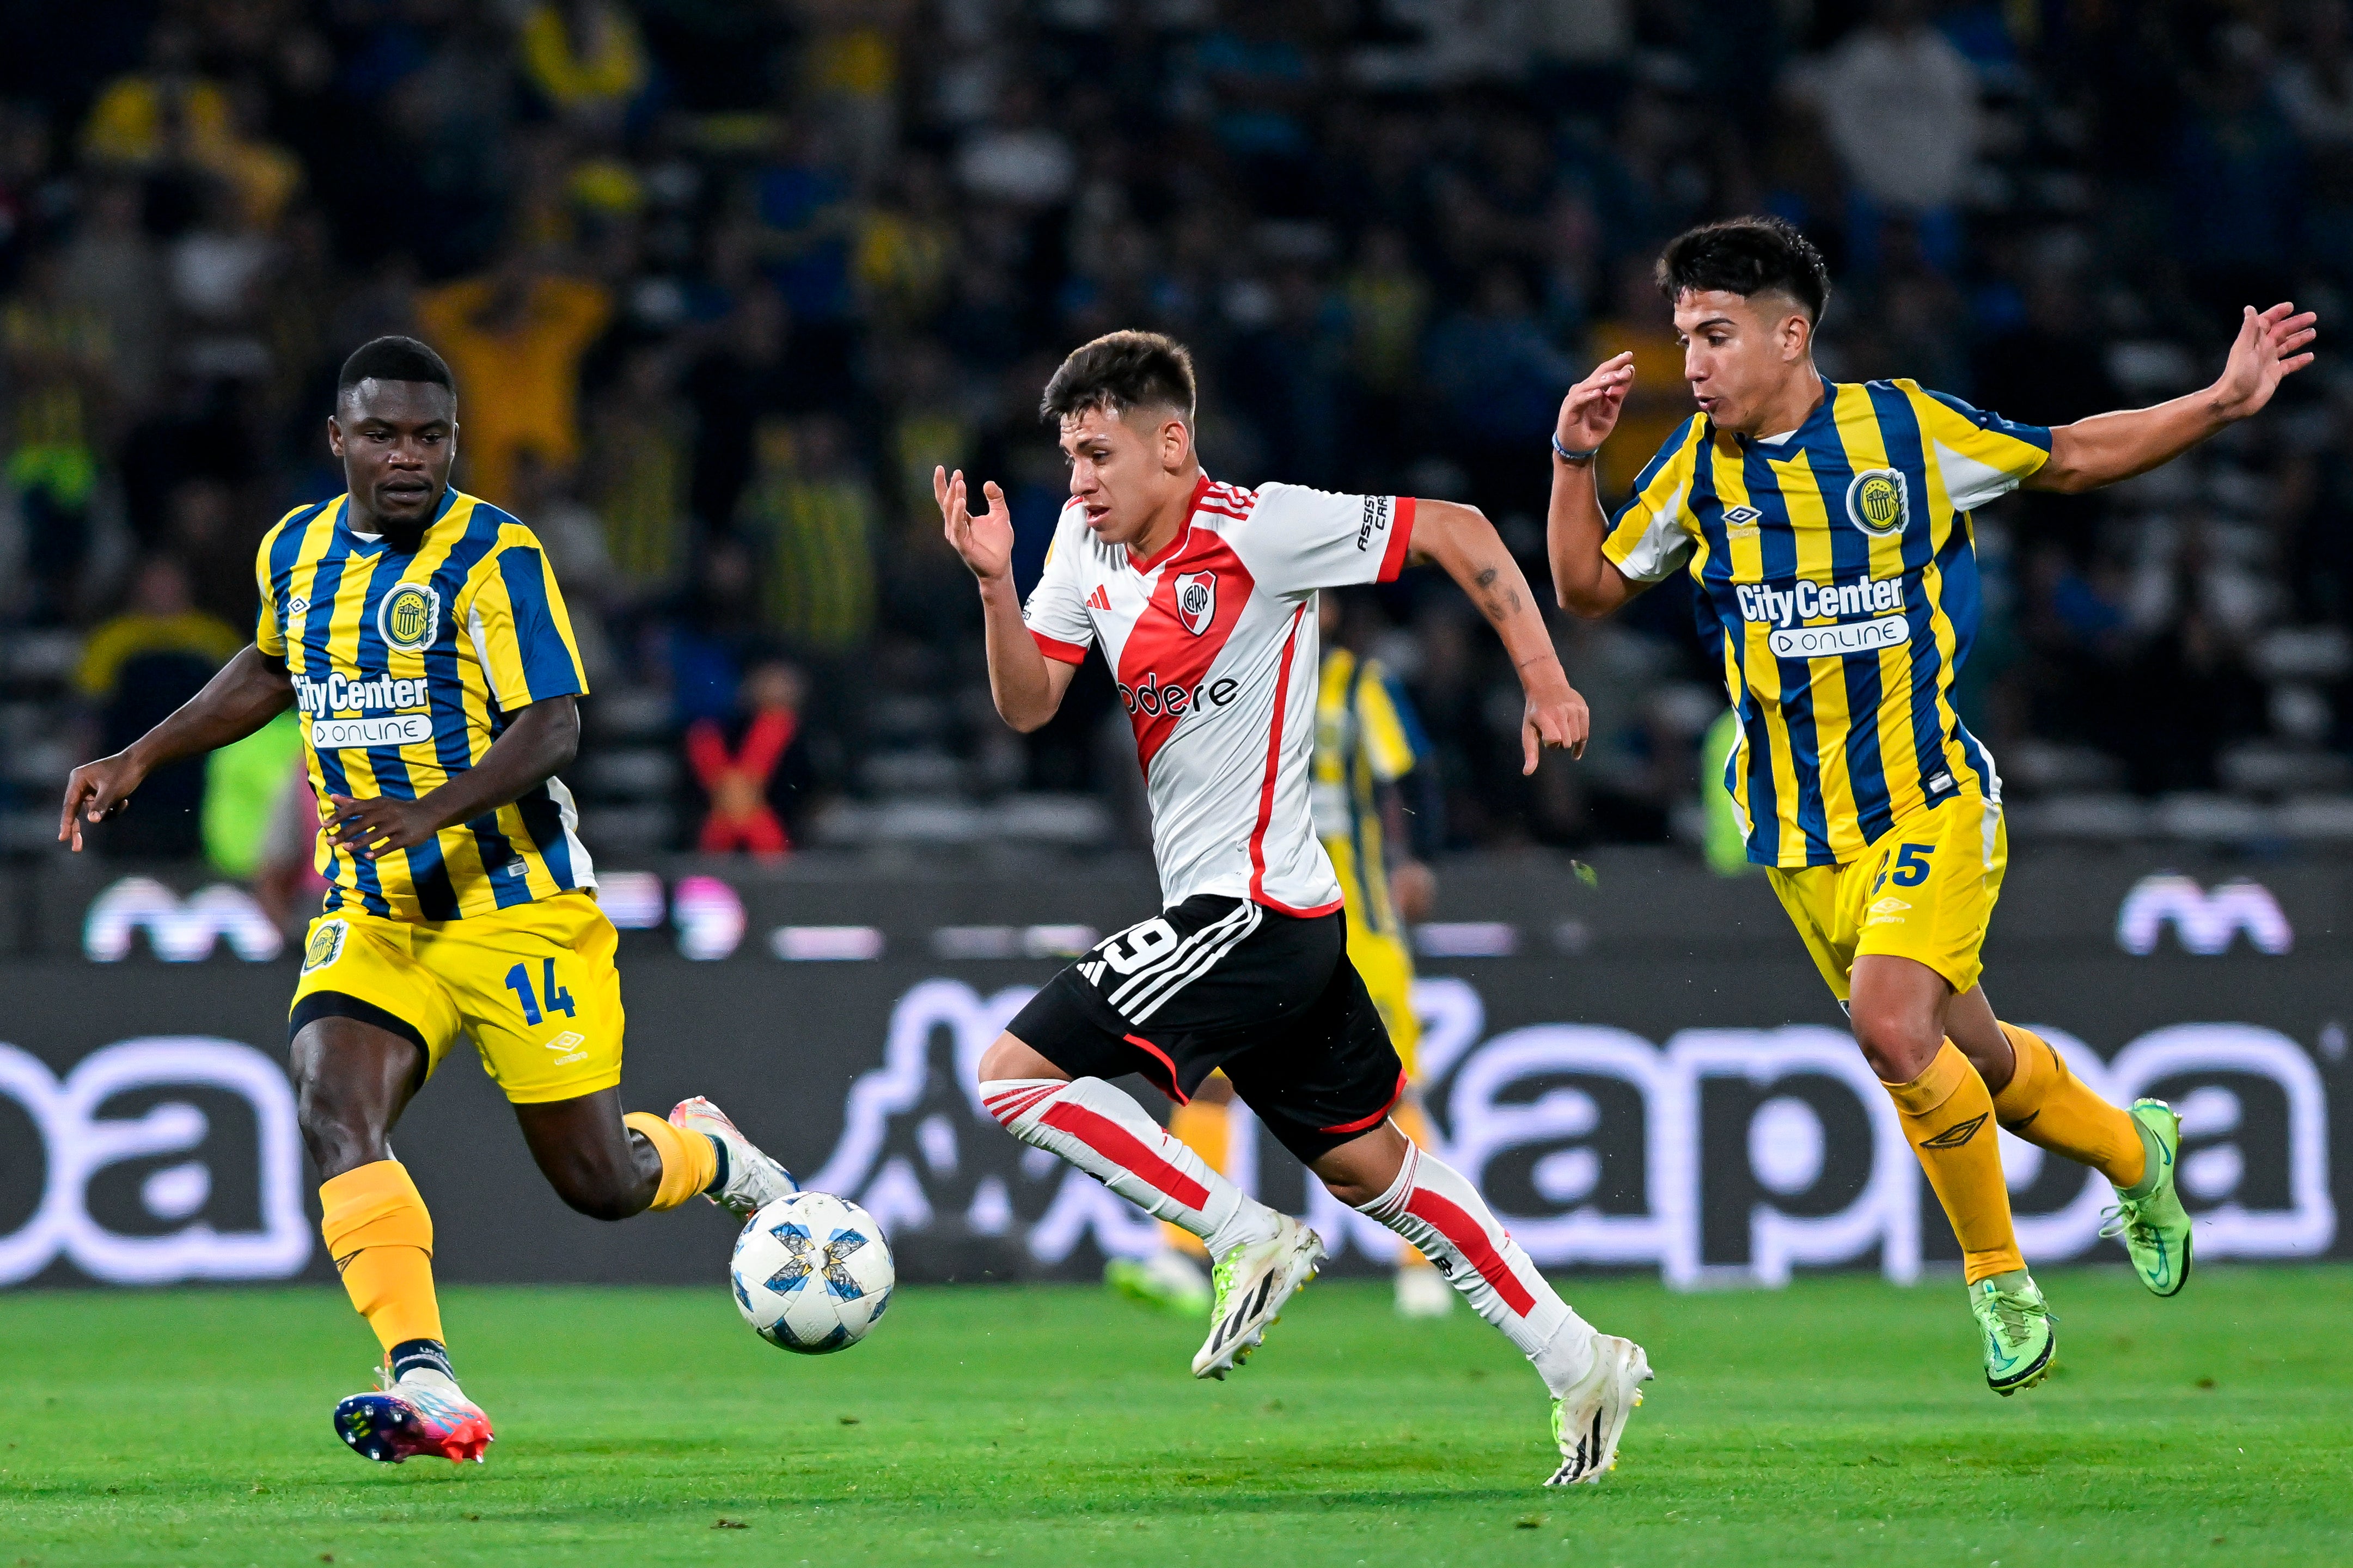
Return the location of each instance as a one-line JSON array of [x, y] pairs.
[[1222, 983]]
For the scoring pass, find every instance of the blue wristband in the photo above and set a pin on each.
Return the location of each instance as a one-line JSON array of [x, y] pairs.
[[1566, 456]]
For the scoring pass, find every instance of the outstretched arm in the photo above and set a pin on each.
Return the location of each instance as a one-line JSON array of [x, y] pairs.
[[1027, 686], [1583, 578], [1461, 540], [2272, 345], [245, 693]]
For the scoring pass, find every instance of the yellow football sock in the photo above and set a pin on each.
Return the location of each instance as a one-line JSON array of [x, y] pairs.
[[1948, 1115], [380, 1237], [689, 1163], [2049, 1108], [1205, 1130]]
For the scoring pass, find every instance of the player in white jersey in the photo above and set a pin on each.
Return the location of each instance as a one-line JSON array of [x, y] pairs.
[[1203, 598]]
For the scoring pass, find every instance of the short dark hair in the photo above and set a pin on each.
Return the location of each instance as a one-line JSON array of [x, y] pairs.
[[1746, 256], [1121, 371], [393, 359]]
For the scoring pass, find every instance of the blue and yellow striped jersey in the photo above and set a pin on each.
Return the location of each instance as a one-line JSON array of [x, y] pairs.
[[1838, 567], [1366, 736], [406, 669]]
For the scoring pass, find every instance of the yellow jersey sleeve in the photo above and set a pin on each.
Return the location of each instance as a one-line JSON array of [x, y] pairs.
[[268, 634], [522, 633], [1979, 455], [1381, 729], [1655, 532]]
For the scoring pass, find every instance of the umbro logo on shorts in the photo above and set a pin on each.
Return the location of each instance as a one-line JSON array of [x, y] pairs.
[[571, 1041], [1953, 1137]]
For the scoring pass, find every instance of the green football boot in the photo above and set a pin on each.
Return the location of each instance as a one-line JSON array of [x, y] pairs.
[[2149, 1216], [2019, 1340]]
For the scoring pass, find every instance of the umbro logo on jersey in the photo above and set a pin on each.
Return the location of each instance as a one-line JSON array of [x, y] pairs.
[[298, 604], [1197, 600], [1740, 521], [1099, 600]]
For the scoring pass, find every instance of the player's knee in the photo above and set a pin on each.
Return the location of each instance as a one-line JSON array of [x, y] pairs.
[[337, 1133], [1897, 1047], [1010, 1058]]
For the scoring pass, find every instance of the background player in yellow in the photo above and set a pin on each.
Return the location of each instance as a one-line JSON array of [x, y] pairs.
[[419, 634], [1368, 743], [1369, 747], [1827, 528]]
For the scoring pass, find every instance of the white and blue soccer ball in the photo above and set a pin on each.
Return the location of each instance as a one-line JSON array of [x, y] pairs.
[[812, 1273]]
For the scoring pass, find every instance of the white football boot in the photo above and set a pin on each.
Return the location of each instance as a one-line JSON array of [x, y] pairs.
[[1588, 1419], [1253, 1281], [748, 1180]]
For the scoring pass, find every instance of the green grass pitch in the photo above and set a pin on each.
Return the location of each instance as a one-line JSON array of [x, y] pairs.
[[1844, 1420]]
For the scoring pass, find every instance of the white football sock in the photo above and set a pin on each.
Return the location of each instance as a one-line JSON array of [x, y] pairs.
[[1107, 1135], [1433, 1206]]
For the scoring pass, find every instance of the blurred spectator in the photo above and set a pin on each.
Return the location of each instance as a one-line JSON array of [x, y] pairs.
[[725, 282], [1016, 159], [812, 515], [752, 778], [56, 355], [1500, 380], [2238, 182], [1387, 301], [572, 537], [1901, 106], [112, 269], [138, 666], [514, 340], [639, 470], [1643, 324], [583, 57]]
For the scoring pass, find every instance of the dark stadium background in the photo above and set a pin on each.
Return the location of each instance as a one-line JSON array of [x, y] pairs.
[[723, 280]]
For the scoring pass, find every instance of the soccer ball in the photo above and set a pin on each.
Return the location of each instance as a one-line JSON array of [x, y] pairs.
[[812, 1273]]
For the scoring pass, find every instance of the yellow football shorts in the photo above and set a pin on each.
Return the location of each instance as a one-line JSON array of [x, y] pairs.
[[1924, 891], [1388, 972], [534, 985]]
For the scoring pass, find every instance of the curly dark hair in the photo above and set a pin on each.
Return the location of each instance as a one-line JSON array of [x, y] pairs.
[[1746, 256], [1121, 371]]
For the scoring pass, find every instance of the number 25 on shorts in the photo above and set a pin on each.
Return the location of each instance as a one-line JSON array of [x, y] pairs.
[[1911, 868], [558, 999]]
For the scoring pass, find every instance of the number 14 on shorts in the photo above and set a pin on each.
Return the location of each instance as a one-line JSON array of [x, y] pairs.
[[554, 997]]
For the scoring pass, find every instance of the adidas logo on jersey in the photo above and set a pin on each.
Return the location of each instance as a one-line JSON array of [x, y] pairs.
[[1099, 600]]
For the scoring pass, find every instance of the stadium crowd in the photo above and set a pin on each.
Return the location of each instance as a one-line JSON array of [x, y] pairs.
[[722, 280]]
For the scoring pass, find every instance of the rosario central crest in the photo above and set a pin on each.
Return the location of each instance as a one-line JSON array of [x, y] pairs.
[[1197, 600]]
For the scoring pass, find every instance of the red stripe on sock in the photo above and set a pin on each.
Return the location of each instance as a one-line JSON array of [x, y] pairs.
[[1470, 1238], [1008, 1109], [1121, 1147]]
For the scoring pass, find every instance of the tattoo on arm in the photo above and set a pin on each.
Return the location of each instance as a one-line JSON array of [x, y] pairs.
[[1496, 607]]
